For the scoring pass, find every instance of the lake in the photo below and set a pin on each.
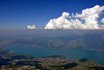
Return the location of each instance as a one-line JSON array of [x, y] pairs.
[[75, 53]]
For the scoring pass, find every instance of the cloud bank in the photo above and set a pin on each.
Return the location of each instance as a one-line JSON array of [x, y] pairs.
[[88, 19], [31, 27]]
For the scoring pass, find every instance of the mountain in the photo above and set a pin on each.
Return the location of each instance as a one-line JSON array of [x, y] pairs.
[[85, 39]]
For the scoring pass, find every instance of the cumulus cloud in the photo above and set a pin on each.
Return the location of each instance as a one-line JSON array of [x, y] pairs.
[[102, 20], [88, 19], [31, 27]]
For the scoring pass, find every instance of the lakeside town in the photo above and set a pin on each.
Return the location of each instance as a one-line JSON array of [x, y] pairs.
[[10, 60]]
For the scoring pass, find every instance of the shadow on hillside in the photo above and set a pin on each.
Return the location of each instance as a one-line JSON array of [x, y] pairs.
[[97, 68], [70, 65]]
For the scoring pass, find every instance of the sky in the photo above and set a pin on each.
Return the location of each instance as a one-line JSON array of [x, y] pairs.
[[17, 14]]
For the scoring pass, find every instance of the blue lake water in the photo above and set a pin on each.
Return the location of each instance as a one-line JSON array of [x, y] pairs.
[[97, 56]]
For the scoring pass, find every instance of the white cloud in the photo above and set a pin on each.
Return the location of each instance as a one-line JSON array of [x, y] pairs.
[[88, 19], [31, 27], [102, 20]]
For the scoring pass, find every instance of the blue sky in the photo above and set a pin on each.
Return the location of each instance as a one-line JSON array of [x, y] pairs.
[[17, 14]]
